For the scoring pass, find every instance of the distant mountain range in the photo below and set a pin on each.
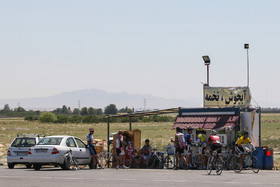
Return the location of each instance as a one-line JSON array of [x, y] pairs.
[[99, 99]]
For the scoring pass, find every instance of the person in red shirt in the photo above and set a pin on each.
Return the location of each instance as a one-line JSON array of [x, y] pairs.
[[214, 141], [130, 152]]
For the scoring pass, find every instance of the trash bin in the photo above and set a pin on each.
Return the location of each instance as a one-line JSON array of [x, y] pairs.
[[268, 159], [259, 154]]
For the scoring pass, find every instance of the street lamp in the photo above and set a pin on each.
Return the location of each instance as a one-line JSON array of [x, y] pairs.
[[246, 46], [207, 63]]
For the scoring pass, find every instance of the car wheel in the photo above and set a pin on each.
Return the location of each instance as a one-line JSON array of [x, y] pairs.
[[28, 166], [11, 165], [37, 167]]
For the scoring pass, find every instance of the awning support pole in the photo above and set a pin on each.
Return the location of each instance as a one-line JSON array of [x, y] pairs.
[[108, 134], [130, 128]]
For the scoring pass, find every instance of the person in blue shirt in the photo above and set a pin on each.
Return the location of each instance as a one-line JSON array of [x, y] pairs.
[[91, 143], [188, 139]]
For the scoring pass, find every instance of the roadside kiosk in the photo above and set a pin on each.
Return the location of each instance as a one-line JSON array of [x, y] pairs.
[[228, 111]]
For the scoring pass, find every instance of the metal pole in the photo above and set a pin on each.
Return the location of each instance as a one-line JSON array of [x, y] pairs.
[[247, 67], [130, 123], [108, 134], [207, 75]]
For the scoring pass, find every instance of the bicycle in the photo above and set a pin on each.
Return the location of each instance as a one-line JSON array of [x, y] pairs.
[[228, 160], [109, 158], [169, 158], [69, 161], [215, 161], [250, 162], [156, 157]]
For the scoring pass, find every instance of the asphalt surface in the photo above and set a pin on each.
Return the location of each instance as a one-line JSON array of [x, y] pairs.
[[51, 177]]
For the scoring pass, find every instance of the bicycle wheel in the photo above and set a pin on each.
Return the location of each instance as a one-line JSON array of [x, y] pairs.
[[219, 165], [168, 162], [75, 164], [228, 164], [236, 165], [109, 160], [150, 162], [102, 158], [255, 164], [210, 165]]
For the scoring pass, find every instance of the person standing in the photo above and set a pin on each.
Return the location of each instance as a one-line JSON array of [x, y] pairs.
[[188, 139], [91, 143], [180, 145], [120, 150], [201, 140]]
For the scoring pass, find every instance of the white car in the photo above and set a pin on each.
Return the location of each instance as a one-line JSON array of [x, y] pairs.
[[18, 150], [50, 150]]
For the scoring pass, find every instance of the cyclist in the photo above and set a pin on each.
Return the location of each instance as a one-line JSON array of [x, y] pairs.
[[201, 140], [214, 141], [188, 139], [91, 143], [241, 148], [180, 145], [120, 150], [130, 150], [146, 150]]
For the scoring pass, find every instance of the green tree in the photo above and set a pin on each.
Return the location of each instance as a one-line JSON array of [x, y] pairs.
[[111, 109], [47, 117], [91, 111], [6, 108], [99, 111], [76, 111], [20, 109], [64, 110], [84, 111]]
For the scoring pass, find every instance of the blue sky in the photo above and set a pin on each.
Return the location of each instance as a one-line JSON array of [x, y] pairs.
[[147, 47]]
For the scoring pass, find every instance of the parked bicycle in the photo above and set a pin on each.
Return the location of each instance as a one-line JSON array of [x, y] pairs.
[[70, 162], [215, 161], [169, 158], [249, 162], [156, 159], [106, 159]]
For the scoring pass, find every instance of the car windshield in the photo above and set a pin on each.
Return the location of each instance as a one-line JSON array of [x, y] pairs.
[[24, 142], [50, 141]]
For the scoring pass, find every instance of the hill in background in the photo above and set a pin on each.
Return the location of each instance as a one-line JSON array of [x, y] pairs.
[[99, 99]]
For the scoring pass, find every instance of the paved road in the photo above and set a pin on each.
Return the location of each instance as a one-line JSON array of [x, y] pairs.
[[52, 177]]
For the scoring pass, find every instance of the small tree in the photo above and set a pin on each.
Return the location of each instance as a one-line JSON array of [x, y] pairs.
[[20, 109], [111, 109], [64, 110], [99, 111], [76, 111], [91, 111], [84, 111], [47, 117], [6, 108]]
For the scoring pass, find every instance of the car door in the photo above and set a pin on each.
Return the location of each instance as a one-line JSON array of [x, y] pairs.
[[84, 154], [71, 144]]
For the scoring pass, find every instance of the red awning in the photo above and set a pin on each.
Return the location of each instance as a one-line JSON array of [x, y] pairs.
[[206, 121]]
